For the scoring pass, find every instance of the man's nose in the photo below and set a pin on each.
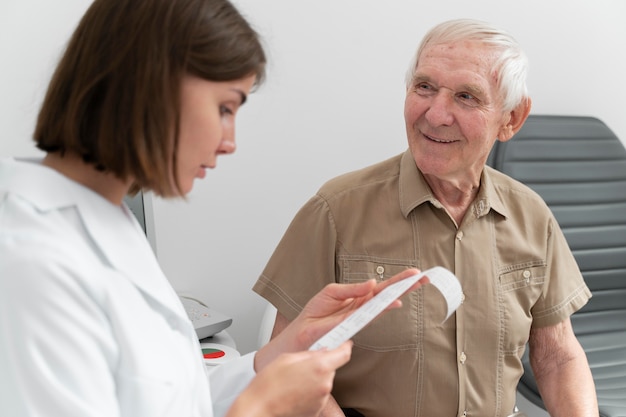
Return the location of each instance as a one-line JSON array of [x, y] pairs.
[[440, 111]]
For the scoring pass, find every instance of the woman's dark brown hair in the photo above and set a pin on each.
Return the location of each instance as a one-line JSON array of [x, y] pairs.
[[114, 98]]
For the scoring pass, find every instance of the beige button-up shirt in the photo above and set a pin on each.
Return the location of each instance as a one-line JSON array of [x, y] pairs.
[[515, 268]]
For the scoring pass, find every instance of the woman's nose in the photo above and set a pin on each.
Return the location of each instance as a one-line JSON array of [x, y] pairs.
[[227, 146]]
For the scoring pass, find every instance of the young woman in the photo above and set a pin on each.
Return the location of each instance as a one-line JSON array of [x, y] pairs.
[[144, 97]]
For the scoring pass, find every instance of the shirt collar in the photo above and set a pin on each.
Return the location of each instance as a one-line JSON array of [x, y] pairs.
[[489, 195], [414, 190], [44, 188]]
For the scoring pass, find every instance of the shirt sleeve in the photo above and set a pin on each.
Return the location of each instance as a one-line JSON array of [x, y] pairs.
[[229, 380], [565, 291], [303, 262]]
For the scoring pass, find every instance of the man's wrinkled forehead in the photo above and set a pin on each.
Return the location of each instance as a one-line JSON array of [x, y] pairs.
[[473, 57]]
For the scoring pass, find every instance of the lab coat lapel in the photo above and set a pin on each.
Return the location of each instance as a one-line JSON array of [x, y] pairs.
[[125, 247], [112, 231]]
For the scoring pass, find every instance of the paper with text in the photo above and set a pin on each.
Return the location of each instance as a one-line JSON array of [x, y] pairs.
[[444, 280]]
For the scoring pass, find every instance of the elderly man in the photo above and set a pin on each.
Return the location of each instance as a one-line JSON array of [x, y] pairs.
[[438, 204]]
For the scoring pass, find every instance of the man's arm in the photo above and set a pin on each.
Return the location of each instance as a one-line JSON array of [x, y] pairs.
[[331, 409], [562, 371]]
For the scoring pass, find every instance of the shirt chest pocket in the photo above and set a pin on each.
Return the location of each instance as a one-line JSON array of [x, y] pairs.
[[520, 288], [395, 329]]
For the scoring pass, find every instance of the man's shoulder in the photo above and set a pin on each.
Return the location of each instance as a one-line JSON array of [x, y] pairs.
[[508, 188], [363, 179]]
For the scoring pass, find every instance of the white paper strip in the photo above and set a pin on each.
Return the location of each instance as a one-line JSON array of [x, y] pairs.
[[444, 280]]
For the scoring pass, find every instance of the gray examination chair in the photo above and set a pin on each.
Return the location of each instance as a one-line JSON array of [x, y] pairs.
[[578, 166]]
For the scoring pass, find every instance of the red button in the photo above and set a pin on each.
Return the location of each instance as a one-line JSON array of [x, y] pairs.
[[212, 353]]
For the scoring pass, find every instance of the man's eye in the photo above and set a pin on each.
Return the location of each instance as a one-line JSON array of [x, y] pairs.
[[424, 88], [468, 99]]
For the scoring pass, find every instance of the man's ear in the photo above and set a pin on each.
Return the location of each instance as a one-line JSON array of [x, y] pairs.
[[517, 117]]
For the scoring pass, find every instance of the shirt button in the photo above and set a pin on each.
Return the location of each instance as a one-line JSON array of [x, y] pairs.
[[526, 275], [380, 269], [459, 235], [462, 297], [462, 358]]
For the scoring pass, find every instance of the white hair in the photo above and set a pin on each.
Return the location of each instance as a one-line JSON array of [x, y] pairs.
[[511, 64]]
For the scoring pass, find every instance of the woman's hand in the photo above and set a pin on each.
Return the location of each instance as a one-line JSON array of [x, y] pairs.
[[294, 385]]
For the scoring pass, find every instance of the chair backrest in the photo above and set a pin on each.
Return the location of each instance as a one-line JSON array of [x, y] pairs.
[[578, 166]]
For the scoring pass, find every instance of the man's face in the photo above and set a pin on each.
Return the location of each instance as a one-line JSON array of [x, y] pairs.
[[452, 110]]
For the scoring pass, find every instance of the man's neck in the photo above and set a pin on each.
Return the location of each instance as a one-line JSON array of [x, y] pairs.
[[456, 196]]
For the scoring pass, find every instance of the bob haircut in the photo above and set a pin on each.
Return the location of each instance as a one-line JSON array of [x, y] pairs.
[[114, 98], [510, 69]]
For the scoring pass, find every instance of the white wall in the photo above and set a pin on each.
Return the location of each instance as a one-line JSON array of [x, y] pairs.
[[333, 103]]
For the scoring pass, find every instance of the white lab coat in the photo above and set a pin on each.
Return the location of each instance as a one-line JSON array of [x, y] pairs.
[[89, 325]]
